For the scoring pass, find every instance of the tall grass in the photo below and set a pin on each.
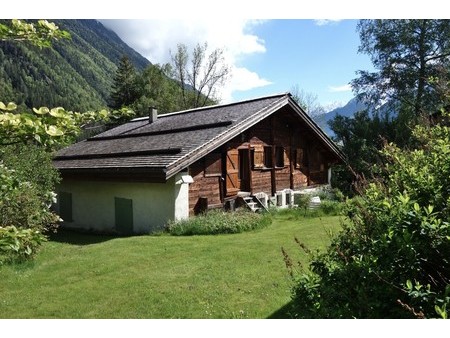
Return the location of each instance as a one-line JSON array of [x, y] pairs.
[[219, 222]]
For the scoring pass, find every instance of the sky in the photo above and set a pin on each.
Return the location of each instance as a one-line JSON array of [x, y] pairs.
[[271, 47], [318, 57]]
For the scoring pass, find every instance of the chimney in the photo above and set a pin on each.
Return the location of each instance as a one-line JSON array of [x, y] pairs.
[[152, 115]]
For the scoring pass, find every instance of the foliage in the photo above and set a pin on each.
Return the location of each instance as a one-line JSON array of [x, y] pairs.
[[40, 34], [199, 75], [157, 89], [48, 127], [392, 258], [361, 137], [24, 204], [410, 81], [407, 56], [302, 200], [76, 74], [219, 222], [26, 192], [124, 88], [18, 245]]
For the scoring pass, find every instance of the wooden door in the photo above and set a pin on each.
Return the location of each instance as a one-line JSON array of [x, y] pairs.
[[124, 215], [232, 172], [244, 169]]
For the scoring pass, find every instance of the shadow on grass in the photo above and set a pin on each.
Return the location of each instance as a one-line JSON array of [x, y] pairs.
[[284, 312], [78, 238]]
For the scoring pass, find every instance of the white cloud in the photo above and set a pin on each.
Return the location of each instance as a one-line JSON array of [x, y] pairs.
[[343, 88], [154, 39], [323, 22], [242, 80]]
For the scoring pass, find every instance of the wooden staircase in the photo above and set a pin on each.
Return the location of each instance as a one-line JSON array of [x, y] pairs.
[[254, 204]]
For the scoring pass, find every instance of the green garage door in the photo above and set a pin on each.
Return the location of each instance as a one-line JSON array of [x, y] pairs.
[[124, 215]]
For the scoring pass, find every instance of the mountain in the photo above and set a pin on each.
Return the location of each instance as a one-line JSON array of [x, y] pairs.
[[348, 110], [76, 74]]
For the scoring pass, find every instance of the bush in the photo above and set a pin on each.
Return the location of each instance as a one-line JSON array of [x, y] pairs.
[[330, 207], [22, 204], [25, 200], [302, 200], [219, 222], [392, 258], [17, 245]]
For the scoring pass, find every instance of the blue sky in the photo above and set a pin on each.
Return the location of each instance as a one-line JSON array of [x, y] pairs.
[[267, 55], [319, 58]]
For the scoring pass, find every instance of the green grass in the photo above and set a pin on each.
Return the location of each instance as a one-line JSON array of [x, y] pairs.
[[222, 276]]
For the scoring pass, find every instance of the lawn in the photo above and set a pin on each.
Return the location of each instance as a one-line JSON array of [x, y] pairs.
[[222, 276]]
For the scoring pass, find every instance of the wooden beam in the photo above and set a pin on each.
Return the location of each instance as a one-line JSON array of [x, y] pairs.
[[273, 180], [250, 181]]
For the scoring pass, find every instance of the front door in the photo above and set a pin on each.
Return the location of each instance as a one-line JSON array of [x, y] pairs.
[[244, 170], [237, 171], [232, 172]]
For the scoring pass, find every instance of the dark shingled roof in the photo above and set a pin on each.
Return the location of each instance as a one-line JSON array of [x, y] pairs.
[[173, 141]]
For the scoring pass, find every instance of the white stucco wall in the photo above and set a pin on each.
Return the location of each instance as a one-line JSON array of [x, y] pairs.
[[181, 197], [93, 204]]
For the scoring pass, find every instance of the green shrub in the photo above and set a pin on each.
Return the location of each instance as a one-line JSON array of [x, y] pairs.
[[302, 200], [330, 207], [22, 204], [219, 222], [17, 245], [392, 258]]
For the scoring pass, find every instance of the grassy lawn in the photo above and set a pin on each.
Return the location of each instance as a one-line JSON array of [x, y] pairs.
[[223, 276]]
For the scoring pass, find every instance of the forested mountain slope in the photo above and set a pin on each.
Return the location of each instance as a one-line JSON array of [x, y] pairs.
[[76, 74]]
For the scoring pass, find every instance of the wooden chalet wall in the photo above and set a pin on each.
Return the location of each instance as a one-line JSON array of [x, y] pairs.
[[282, 154]]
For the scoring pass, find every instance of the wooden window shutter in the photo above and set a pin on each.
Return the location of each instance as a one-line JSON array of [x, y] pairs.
[[258, 157]]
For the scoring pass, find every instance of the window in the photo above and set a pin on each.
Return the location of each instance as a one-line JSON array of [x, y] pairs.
[[268, 157], [279, 157], [65, 206]]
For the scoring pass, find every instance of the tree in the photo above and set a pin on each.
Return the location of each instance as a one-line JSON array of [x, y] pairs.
[[361, 137], [308, 101], [200, 76], [408, 56], [158, 90], [124, 89]]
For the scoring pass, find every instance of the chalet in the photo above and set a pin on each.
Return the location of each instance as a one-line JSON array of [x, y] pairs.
[[137, 176]]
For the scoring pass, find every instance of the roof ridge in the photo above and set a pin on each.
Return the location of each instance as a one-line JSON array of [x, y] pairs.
[[212, 107]]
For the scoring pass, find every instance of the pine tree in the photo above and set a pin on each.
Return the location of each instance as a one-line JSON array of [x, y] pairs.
[[124, 89]]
